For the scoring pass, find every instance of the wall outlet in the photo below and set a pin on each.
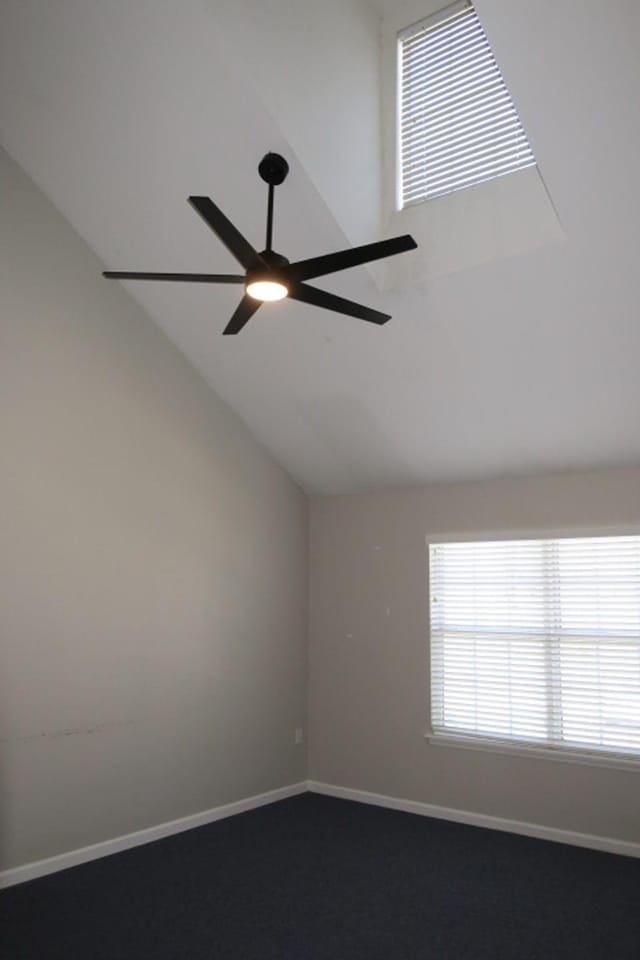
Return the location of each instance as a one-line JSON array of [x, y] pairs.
[[298, 736]]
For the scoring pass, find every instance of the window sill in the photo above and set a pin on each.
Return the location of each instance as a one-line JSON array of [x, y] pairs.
[[566, 755]]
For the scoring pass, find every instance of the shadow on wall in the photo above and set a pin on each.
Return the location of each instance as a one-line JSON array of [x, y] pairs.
[[348, 432]]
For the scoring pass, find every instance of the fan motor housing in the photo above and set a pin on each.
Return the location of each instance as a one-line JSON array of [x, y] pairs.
[[274, 261]]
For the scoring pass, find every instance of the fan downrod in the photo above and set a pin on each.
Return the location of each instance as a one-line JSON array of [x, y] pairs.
[[273, 169]]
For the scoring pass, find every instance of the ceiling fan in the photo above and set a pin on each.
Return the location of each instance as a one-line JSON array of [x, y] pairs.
[[270, 276]]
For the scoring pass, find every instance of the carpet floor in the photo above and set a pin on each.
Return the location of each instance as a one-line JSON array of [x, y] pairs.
[[314, 878]]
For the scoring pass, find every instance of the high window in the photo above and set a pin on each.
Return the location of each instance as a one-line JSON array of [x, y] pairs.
[[537, 642], [458, 125]]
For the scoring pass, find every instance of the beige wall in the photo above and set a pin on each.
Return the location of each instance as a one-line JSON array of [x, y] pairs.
[[368, 650], [153, 579]]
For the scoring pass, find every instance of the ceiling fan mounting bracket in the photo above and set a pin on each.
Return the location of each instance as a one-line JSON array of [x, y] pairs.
[[273, 169]]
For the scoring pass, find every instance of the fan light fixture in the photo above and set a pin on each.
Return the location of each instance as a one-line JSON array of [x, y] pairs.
[[267, 290]]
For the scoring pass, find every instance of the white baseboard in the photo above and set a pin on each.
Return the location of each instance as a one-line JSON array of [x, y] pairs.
[[39, 868], [608, 844]]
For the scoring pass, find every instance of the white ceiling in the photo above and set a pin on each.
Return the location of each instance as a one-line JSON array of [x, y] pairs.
[[524, 363]]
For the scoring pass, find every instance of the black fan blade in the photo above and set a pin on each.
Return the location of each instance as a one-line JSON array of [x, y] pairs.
[[182, 277], [332, 262], [244, 311], [320, 298], [225, 230]]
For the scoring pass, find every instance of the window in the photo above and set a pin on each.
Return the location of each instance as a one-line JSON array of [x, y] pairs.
[[457, 122], [537, 642]]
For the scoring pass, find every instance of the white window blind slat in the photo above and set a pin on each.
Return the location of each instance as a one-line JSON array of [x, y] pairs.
[[441, 88], [435, 54], [466, 178], [465, 136], [449, 24], [453, 103], [474, 157], [538, 641], [465, 125]]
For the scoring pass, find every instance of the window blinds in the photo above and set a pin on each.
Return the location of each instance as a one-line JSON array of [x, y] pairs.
[[458, 124], [538, 641]]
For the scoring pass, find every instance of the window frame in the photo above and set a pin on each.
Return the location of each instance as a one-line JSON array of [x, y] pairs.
[[505, 746], [394, 21]]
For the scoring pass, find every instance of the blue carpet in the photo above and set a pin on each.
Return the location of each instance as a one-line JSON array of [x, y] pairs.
[[313, 878]]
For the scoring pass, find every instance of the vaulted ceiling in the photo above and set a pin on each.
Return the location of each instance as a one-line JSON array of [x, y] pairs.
[[525, 361]]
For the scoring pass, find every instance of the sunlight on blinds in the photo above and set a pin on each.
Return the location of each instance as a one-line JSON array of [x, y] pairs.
[[538, 641], [458, 123]]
